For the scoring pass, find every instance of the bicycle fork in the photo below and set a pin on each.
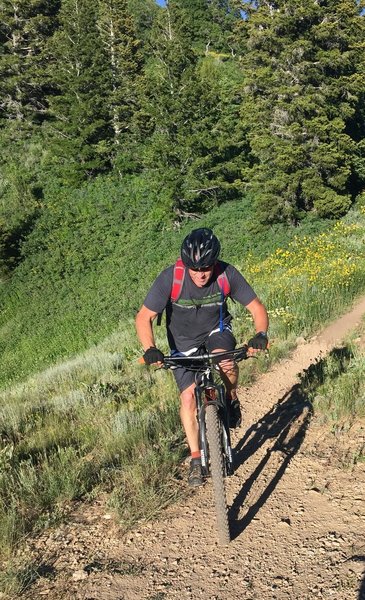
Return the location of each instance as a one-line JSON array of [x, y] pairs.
[[213, 394]]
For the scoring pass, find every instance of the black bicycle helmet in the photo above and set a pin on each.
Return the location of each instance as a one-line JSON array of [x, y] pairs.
[[200, 249]]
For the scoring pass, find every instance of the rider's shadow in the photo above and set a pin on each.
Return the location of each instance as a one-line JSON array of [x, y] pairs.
[[286, 423]]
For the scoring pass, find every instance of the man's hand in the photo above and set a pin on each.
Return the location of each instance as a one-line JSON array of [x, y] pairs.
[[258, 342], [152, 356]]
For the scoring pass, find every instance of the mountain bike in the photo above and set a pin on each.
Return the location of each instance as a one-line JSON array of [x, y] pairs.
[[213, 421]]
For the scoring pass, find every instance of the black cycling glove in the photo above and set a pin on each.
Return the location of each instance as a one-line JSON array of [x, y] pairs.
[[258, 342], [152, 355]]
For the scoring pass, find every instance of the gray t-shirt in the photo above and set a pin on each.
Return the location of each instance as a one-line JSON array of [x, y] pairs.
[[197, 311]]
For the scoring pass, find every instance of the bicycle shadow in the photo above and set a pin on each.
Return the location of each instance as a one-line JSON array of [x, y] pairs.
[[286, 423]]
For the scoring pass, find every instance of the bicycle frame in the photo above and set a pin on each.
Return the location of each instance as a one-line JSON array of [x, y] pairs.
[[208, 392]]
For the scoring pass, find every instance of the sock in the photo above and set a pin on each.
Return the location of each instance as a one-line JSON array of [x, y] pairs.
[[195, 454]]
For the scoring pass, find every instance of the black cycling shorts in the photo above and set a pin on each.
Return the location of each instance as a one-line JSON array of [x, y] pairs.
[[225, 341]]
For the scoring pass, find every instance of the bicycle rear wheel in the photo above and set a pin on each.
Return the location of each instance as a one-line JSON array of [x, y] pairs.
[[217, 471]]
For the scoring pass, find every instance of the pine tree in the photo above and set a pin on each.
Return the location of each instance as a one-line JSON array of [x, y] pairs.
[[81, 133], [25, 27], [194, 147], [302, 84], [144, 13], [193, 19], [125, 59], [207, 23], [169, 79], [225, 17]]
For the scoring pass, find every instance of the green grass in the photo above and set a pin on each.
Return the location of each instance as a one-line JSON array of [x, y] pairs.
[[95, 422], [89, 261], [336, 386]]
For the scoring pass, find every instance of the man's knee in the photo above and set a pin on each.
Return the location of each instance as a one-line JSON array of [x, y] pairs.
[[226, 365], [187, 399]]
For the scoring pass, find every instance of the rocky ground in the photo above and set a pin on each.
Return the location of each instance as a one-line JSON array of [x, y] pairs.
[[296, 512]]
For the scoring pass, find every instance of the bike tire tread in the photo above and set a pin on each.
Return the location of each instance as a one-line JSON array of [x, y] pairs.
[[217, 471]]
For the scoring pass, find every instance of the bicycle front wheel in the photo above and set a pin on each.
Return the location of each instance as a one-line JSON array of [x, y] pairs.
[[217, 471]]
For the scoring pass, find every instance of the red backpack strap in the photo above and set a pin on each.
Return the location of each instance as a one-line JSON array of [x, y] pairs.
[[178, 280], [222, 279], [177, 283]]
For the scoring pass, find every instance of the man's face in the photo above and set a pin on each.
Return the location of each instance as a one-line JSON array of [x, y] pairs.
[[200, 278]]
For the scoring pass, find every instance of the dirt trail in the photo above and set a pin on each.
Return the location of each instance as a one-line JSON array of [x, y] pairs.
[[298, 518]]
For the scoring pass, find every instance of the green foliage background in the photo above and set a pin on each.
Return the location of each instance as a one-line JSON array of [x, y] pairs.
[[89, 261]]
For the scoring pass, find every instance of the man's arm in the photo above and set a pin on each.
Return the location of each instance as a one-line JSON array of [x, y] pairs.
[[261, 322], [144, 320], [157, 297], [259, 315]]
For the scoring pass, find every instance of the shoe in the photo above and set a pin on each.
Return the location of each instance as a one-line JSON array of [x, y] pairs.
[[195, 477], [235, 415]]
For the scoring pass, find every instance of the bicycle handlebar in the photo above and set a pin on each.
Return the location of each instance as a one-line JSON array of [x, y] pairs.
[[200, 360]]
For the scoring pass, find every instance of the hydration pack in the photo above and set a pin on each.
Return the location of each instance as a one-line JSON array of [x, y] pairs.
[[178, 282]]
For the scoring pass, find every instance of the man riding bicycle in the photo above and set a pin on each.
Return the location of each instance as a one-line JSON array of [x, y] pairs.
[[194, 293]]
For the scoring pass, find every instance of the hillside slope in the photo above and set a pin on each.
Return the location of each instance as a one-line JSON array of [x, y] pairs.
[[297, 514]]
